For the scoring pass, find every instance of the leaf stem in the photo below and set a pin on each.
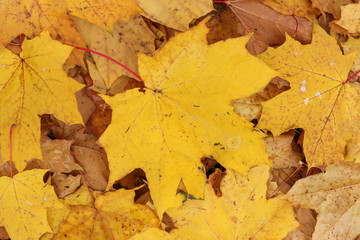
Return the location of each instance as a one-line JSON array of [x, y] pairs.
[[297, 24], [225, 2], [21, 42], [352, 77], [11, 168], [84, 180], [110, 59]]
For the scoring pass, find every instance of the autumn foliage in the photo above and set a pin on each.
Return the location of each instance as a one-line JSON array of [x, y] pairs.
[[155, 119]]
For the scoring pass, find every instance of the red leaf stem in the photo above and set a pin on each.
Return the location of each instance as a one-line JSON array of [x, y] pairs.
[[352, 77], [108, 58], [11, 168], [297, 24]]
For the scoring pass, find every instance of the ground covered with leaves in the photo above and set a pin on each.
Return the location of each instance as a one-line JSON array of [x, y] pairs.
[[155, 119]]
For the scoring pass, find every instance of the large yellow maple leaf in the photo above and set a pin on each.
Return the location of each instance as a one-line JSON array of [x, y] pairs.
[[318, 101], [115, 216], [32, 84], [335, 197], [24, 200], [185, 114], [243, 212]]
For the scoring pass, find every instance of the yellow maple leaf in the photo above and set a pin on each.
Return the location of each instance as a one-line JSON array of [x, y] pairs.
[[185, 114], [318, 101], [350, 18], [24, 200], [115, 216], [31, 85], [176, 14], [243, 212], [335, 197]]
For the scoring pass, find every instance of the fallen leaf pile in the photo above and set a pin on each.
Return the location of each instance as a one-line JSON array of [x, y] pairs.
[[187, 119]]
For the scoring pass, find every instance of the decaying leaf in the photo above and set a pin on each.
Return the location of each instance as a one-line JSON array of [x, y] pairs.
[[65, 184], [31, 85], [176, 14], [94, 163], [115, 216], [335, 197], [283, 152], [169, 128], [56, 156], [128, 39], [318, 102], [268, 25], [24, 200]]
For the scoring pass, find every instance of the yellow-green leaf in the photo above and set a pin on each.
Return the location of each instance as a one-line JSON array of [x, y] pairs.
[[31, 85], [185, 114]]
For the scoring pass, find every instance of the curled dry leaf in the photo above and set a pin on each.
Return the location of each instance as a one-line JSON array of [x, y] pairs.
[[307, 222], [215, 180], [94, 164], [65, 184], [268, 25]]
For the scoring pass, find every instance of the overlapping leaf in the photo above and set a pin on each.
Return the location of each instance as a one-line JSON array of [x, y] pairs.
[[24, 201], [115, 216], [243, 212], [318, 101], [31, 85], [185, 114]]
